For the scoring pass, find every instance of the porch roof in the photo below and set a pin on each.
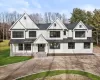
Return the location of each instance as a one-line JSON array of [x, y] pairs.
[[16, 41], [42, 40]]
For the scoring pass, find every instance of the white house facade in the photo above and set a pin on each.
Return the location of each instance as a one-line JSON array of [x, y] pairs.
[[57, 38]]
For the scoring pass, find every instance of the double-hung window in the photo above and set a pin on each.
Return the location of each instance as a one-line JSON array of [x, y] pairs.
[[55, 34], [71, 45], [20, 47], [79, 34], [54, 45], [86, 45], [27, 46], [18, 34], [32, 33]]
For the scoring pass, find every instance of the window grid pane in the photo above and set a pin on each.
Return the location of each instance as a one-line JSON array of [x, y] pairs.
[[27, 46], [71, 45], [54, 45], [54, 34], [86, 45], [32, 33], [18, 34], [20, 46], [80, 34], [64, 32]]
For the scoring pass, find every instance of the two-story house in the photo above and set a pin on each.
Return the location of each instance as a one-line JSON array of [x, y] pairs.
[[28, 38]]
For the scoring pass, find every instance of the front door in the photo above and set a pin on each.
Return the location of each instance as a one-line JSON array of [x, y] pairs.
[[41, 47]]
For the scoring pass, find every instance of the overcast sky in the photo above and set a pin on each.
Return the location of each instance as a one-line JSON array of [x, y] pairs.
[[41, 6]]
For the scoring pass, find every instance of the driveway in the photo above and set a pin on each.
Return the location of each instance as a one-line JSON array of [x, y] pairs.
[[88, 63]]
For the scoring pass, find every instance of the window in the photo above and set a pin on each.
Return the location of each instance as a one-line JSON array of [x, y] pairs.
[[27, 46], [55, 24], [54, 45], [64, 32], [32, 33], [86, 45], [24, 17], [20, 46], [54, 34], [18, 34], [80, 26], [79, 34], [71, 45]]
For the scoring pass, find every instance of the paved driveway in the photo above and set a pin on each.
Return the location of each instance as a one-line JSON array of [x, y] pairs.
[[88, 63]]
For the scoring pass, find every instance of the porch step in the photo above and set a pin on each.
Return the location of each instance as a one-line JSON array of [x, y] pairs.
[[40, 54]]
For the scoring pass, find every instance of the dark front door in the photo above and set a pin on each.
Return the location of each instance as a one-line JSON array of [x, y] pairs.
[[41, 47]]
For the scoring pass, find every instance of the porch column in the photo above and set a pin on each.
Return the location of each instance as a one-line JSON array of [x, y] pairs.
[[32, 47], [11, 50], [35, 48], [48, 47], [24, 48], [15, 48]]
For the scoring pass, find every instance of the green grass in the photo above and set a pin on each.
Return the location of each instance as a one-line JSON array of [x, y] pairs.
[[57, 72], [5, 55], [4, 45]]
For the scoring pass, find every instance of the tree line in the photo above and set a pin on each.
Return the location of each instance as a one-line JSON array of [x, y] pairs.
[[88, 17]]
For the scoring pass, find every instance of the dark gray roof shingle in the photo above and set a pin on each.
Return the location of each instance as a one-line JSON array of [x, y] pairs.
[[65, 40], [43, 26], [69, 26], [72, 25], [21, 41], [70, 39]]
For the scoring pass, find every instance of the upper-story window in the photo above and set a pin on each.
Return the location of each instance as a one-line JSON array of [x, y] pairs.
[[79, 34], [54, 34], [32, 33], [64, 32], [18, 34]]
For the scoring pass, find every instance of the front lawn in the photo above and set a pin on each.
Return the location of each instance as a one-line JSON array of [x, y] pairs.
[[58, 72], [5, 55]]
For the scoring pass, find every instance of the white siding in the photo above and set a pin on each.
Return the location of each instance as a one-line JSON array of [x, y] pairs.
[[79, 48], [89, 33], [70, 33], [82, 27], [59, 25]]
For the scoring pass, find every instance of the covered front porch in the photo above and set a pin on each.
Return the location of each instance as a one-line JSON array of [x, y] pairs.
[[38, 47]]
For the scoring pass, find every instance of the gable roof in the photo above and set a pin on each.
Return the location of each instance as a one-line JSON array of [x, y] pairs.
[[26, 23], [29, 24], [70, 26], [40, 40], [73, 25], [59, 22]]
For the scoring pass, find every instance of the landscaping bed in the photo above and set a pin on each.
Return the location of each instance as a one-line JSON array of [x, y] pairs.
[[44, 75]]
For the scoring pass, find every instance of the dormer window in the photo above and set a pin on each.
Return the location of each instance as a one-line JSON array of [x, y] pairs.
[[80, 26], [55, 24], [24, 17]]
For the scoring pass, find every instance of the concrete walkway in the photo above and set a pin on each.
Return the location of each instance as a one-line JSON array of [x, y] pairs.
[[88, 63]]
